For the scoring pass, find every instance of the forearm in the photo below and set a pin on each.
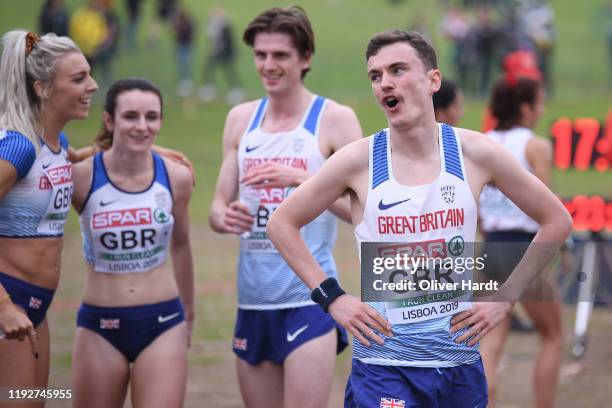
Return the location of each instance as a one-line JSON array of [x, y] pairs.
[[341, 208], [288, 241], [544, 247], [182, 261], [77, 155], [215, 217]]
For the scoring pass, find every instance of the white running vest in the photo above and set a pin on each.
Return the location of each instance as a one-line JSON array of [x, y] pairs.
[[432, 216], [125, 232], [497, 212], [265, 281], [38, 204]]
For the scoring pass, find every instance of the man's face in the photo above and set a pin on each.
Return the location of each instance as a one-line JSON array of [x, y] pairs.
[[401, 84], [278, 62]]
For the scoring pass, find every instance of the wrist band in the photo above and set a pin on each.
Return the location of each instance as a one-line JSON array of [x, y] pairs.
[[328, 291]]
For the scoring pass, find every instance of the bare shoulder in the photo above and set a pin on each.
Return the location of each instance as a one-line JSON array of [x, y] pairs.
[[337, 111], [339, 126], [540, 144], [237, 120], [477, 147], [180, 179], [81, 171], [81, 177], [337, 115]]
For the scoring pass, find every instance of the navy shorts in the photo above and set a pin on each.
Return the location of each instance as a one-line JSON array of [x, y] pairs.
[[131, 329], [34, 300], [372, 385], [273, 334]]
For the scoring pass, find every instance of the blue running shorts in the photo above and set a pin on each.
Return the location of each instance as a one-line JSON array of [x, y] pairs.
[[374, 386], [273, 334], [131, 329]]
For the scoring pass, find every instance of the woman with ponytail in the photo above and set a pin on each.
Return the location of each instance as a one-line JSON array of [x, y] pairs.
[[46, 84], [517, 103], [135, 322]]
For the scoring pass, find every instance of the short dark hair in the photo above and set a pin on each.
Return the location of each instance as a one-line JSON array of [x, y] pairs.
[[425, 51], [104, 140], [446, 95], [507, 98], [292, 21]]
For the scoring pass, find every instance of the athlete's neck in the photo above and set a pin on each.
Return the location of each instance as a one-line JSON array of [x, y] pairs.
[[51, 127], [130, 170], [286, 110], [416, 141]]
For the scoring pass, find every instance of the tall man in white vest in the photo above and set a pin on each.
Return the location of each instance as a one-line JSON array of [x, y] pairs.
[[284, 343]]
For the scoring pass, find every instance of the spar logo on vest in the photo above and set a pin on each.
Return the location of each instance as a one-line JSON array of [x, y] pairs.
[[128, 238], [55, 176]]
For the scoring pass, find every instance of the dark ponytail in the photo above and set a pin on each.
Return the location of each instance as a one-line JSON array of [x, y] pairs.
[[104, 139], [507, 97]]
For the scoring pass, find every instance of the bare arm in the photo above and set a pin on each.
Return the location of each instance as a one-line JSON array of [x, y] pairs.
[[77, 155], [182, 259], [8, 177], [228, 215], [14, 323], [81, 177], [300, 208], [530, 193], [306, 203], [533, 197], [539, 155], [340, 128]]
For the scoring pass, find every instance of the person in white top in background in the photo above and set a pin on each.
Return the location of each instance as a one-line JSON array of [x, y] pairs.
[[517, 103]]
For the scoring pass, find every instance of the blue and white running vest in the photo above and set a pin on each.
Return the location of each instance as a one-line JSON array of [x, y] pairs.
[[127, 232], [497, 212], [37, 205], [431, 216], [265, 281]]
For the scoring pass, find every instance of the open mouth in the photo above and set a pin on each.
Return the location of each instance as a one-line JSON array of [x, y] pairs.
[[391, 101]]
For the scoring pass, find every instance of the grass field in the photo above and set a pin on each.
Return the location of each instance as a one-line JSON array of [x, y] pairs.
[[343, 28]]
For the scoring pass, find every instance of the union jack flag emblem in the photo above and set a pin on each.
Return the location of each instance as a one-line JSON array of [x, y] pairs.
[[240, 344], [109, 324], [391, 403], [35, 303]]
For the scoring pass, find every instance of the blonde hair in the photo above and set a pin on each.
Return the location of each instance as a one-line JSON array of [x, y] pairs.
[[19, 69]]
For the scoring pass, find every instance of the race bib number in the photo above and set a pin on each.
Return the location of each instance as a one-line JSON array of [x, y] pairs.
[[257, 239]]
